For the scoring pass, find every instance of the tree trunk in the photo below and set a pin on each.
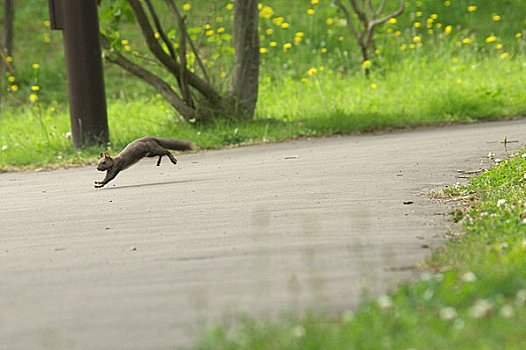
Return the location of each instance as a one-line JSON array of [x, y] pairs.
[[8, 26], [246, 69]]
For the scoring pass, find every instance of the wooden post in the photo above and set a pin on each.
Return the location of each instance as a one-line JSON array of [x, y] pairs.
[[87, 102]]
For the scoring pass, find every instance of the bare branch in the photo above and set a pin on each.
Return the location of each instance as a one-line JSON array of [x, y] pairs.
[[349, 19], [159, 28], [153, 80], [386, 18]]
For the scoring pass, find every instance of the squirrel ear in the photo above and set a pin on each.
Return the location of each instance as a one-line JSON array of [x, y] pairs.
[[107, 155], [100, 155]]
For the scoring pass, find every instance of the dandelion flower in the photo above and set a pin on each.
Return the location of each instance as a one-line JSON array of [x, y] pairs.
[[472, 8], [447, 3], [491, 39], [495, 17], [187, 7], [273, 44], [263, 50], [393, 20], [14, 88], [35, 88], [11, 79], [448, 313], [35, 66], [269, 31], [323, 50], [314, 2], [417, 24], [312, 71], [518, 35], [504, 55], [310, 12], [284, 25], [467, 41], [366, 64], [417, 39], [220, 30], [329, 21], [9, 59], [374, 86], [209, 32], [33, 98], [156, 35], [448, 29], [287, 46], [230, 7]]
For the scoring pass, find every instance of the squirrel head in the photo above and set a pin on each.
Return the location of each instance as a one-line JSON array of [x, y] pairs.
[[105, 162]]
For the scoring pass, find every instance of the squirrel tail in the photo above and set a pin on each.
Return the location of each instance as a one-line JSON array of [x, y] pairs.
[[173, 144]]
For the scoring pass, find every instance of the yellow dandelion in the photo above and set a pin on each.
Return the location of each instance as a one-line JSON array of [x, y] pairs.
[[287, 46], [266, 12], [127, 48], [491, 39], [284, 25], [156, 35], [35, 88], [222, 74], [229, 6], [220, 30], [518, 35], [472, 8], [499, 46], [495, 17], [389, 30], [418, 14], [263, 50], [312, 71], [397, 33], [374, 86], [207, 26], [504, 55], [448, 29], [341, 37], [124, 42], [300, 34], [403, 47], [392, 20], [14, 88], [467, 41], [278, 20], [447, 3], [323, 50], [304, 80], [366, 64], [209, 32], [314, 2], [269, 31], [310, 12], [35, 66], [33, 98], [329, 21], [273, 44], [417, 24], [417, 39], [187, 6], [297, 40], [47, 23], [11, 79], [9, 59], [434, 16]]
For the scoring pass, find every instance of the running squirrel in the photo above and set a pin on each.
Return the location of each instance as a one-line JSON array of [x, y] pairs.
[[148, 146]]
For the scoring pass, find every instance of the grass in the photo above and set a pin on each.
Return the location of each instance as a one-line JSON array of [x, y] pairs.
[[472, 295]]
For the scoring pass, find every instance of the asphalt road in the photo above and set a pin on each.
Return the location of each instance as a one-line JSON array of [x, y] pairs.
[[161, 252]]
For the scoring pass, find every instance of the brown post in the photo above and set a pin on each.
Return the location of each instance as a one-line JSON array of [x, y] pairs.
[[87, 102]]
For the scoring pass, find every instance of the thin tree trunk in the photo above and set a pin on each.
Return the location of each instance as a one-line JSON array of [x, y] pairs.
[[9, 12], [246, 69]]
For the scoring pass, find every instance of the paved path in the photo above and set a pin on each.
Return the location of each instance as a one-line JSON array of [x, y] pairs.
[[148, 261]]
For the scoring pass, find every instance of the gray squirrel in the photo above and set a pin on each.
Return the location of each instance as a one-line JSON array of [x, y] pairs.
[[148, 146]]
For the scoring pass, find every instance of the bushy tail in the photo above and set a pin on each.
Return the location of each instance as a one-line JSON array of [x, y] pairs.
[[177, 145]]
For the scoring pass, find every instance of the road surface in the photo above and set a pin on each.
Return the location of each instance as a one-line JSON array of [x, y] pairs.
[[162, 252]]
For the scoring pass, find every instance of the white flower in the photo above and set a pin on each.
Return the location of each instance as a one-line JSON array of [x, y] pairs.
[[4, 148], [384, 302], [298, 331], [506, 311], [501, 202], [469, 277], [68, 134], [480, 308], [448, 313]]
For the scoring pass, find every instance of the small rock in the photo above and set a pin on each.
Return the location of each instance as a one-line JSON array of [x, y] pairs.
[[408, 202]]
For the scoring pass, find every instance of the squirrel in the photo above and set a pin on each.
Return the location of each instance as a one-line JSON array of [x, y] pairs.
[[148, 146]]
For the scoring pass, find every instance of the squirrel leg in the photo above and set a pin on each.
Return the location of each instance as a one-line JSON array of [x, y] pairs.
[[172, 158], [159, 160]]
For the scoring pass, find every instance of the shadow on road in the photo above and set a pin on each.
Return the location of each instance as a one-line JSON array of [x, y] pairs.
[[164, 183]]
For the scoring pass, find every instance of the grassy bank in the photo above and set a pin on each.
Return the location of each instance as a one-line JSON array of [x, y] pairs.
[[441, 91], [473, 294]]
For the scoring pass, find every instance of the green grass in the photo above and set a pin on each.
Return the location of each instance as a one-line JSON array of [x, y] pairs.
[[441, 91], [473, 294]]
